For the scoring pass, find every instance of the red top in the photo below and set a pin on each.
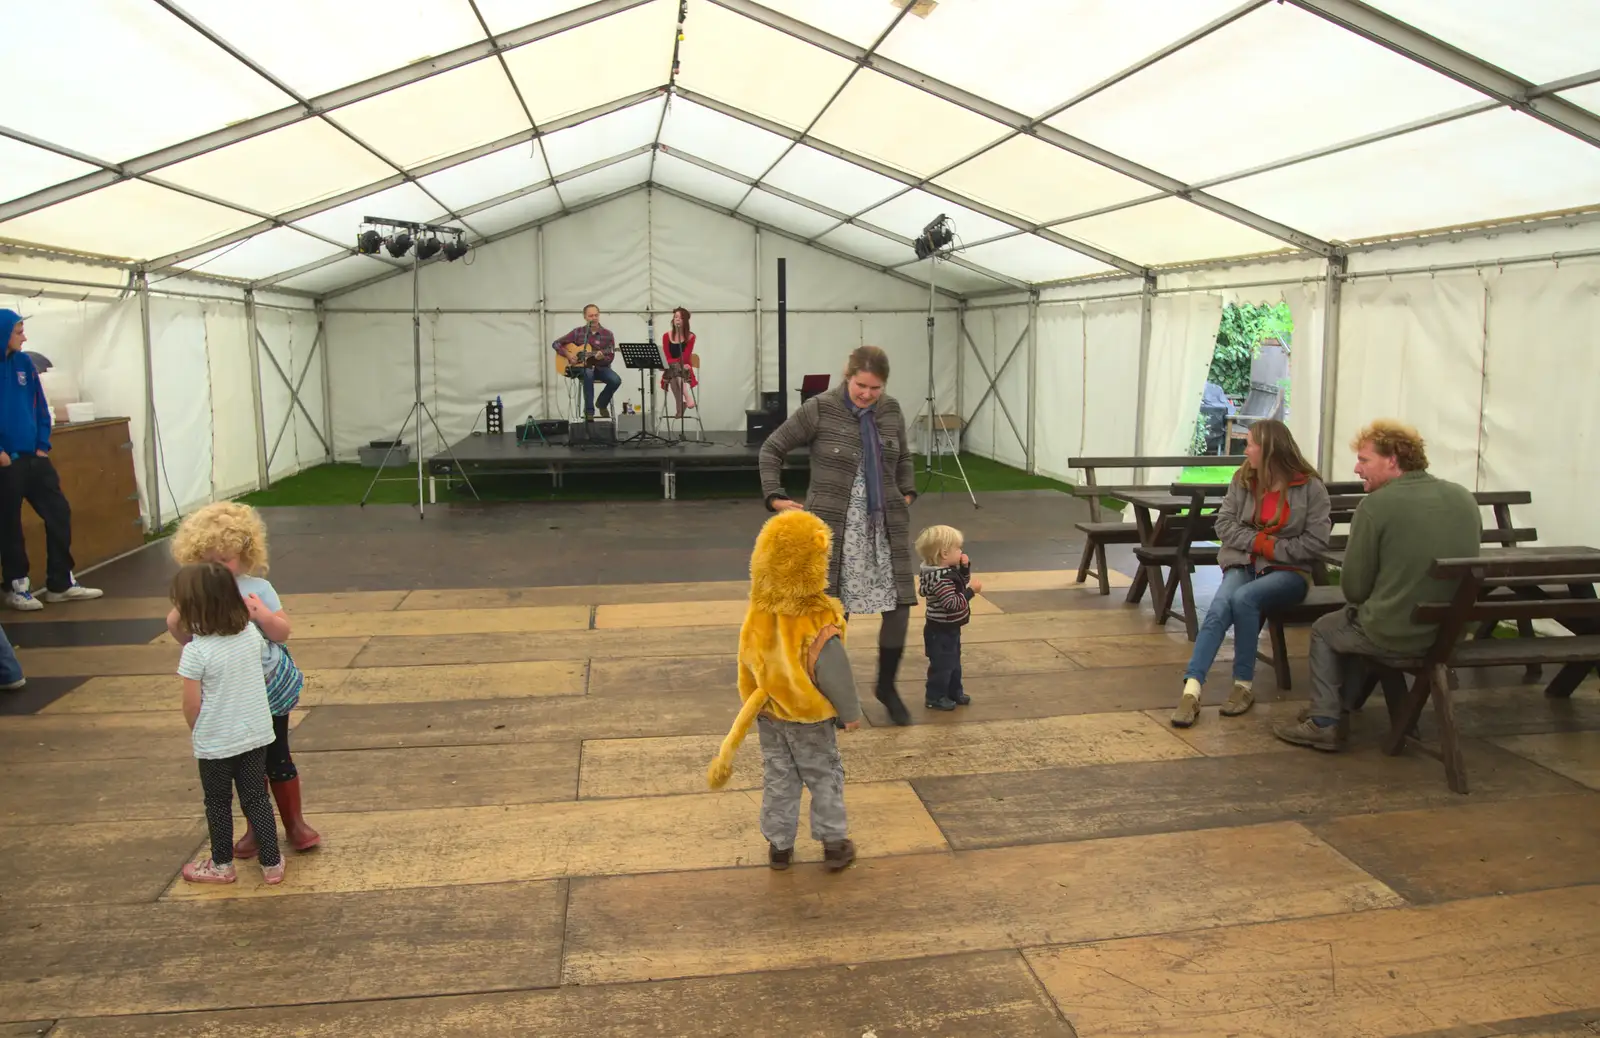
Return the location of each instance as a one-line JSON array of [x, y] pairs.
[[687, 348], [1272, 517]]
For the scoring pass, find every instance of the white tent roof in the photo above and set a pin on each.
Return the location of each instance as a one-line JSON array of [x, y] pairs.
[[1064, 138]]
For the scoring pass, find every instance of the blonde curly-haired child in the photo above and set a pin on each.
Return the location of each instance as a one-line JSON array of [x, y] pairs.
[[233, 535]]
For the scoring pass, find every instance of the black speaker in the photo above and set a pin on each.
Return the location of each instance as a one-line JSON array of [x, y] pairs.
[[592, 433], [758, 425], [772, 402]]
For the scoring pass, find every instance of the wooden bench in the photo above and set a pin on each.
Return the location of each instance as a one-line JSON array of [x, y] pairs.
[[1475, 603], [1098, 532], [1321, 599]]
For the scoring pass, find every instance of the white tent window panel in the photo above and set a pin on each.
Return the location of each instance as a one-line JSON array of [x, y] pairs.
[[1461, 172], [183, 403], [869, 245], [401, 202], [1539, 40], [263, 255], [283, 169], [830, 181], [437, 116], [1058, 426], [612, 178], [489, 176], [505, 15], [903, 126], [516, 212], [1170, 230], [697, 181], [315, 47], [951, 277], [860, 23], [233, 412], [710, 135], [1183, 337], [338, 274], [909, 213], [1203, 112], [89, 70], [133, 220], [595, 63], [601, 138], [743, 63], [25, 169], [979, 48], [1031, 258], [785, 215], [1040, 182]]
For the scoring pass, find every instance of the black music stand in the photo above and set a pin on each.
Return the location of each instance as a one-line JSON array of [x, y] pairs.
[[644, 357]]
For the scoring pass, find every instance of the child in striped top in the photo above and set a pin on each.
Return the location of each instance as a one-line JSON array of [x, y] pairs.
[[947, 587], [225, 704]]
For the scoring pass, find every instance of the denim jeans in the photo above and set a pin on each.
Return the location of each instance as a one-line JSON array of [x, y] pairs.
[[1240, 601], [10, 669], [943, 646], [611, 379]]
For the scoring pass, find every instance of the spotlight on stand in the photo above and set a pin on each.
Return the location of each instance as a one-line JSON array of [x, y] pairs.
[[368, 242], [935, 237], [428, 247], [455, 250], [399, 244]]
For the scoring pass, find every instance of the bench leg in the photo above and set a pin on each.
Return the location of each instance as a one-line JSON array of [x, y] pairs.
[[1088, 557], [1191, 622], [1280, 653], [1404, 721], [1455, 768], [1168, 593], [1567, 680], [1101, 571]]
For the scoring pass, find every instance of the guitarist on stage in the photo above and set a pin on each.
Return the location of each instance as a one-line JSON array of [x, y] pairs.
[[586, 352]]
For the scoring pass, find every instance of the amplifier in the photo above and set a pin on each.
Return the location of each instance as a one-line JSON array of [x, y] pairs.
[[771, 401], [592, 432], [758, 425], [549, 427]]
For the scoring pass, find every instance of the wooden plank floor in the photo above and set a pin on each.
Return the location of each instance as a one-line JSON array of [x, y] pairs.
[[518, 839]]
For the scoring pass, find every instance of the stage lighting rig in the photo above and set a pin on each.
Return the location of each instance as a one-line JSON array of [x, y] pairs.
[[455, 250], [428, 247], [368, 242], [935, 238]]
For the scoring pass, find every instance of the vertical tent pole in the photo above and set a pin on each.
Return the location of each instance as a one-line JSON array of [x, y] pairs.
[[961, 367], [416, 354], [1033, 377], [760, 360], [152, 474], [544, 331], [1146, 300], [255, 387], [327, 386], [1333, 293]]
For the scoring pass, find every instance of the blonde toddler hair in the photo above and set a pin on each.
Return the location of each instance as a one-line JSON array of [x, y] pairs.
[[223, 530], [935, 541]]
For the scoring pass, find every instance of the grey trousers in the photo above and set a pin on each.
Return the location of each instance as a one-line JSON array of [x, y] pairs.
[[1339, 648], [795, 756]]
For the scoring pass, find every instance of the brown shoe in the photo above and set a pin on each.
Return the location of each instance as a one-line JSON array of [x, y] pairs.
[[1242, 698], [1309, 733], [836, 856], [779, 860], [1187, 713]]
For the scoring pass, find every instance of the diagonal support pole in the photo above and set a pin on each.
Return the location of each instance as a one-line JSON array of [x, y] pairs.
[[994, 381], [294, 395]]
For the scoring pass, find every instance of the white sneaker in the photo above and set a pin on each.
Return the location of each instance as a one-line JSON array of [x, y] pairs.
[[15, 686], [75, 592], [21, 598]]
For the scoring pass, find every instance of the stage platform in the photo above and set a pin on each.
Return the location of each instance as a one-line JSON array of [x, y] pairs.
[[483, 454]]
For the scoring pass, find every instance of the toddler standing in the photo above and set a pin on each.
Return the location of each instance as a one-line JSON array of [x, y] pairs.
[[945, 581], [233, 535], [225, 705], [795, 680]]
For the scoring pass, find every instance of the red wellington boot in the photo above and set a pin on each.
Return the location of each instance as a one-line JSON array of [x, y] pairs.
[[300, 835]]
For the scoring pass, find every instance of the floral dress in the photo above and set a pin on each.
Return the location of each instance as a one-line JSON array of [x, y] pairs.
[[866, 567]]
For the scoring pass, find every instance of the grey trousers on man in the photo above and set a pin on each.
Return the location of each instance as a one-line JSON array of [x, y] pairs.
[[1339, 648], [796, 756]]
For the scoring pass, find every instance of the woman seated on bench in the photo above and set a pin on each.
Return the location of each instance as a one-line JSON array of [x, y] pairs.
[[1273, 524]]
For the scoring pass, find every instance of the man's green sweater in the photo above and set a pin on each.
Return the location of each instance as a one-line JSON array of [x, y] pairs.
[[1397, 533]]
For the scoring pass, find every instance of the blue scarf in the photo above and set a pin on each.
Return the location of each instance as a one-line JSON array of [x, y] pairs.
[[871, 456]]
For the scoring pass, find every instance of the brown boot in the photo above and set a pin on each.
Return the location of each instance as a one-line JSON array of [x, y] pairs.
[[300, 835], [836, 856]]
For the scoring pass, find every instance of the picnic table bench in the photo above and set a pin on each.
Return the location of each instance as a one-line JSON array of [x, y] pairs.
[[1477, 601]]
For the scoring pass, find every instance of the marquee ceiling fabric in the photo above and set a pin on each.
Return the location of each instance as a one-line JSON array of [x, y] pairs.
[[1064, 138]]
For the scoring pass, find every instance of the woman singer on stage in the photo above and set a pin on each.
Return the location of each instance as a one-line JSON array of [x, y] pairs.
[[676, 347]]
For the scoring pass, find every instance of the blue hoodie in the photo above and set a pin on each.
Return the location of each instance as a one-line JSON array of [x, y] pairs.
[[24, 415]]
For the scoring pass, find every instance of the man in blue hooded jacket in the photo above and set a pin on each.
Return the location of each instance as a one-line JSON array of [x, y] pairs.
[[27, 475]]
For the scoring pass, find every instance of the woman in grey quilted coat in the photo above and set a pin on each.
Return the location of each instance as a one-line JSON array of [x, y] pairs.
[[862, 486]]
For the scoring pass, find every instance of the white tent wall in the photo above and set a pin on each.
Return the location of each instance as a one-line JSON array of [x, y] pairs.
[[998, 333], [1183, 336], [182, 386], [1088, 383]]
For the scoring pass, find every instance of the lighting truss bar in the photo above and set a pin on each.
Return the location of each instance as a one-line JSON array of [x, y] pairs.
[[319, 105]]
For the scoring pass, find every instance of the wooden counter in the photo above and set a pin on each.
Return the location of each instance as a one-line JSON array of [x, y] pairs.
[[95, 463]]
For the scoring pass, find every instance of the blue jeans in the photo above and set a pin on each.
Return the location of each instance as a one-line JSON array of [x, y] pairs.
[[1242, 598], [612, 381], [10, 669], [943, 646]]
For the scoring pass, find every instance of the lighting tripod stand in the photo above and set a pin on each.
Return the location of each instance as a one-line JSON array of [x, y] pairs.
[[398, 244], [942, 441]]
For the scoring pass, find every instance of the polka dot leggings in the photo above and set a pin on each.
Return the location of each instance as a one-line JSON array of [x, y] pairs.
[[248, 772]]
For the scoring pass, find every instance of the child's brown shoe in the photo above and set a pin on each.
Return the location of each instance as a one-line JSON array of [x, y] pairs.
[[836, 856], [779, 860]]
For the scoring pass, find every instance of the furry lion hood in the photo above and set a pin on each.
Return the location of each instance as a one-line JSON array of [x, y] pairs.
[[789, 565]]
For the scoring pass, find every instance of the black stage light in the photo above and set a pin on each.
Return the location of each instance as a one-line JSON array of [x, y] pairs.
[[400, 244], [934, 237], [455, 250], [428, 247], [368, 242]]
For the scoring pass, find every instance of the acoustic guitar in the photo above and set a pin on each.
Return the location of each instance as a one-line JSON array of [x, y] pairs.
[[573, 356]]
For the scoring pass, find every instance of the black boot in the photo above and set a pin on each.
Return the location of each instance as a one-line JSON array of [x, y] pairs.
[[888, 665]]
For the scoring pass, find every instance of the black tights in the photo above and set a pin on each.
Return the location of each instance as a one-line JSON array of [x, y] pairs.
[[247, 771], [280, 766], [892, 632]]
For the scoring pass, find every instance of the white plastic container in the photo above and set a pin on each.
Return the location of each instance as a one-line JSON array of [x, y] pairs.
[[80, 412]]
